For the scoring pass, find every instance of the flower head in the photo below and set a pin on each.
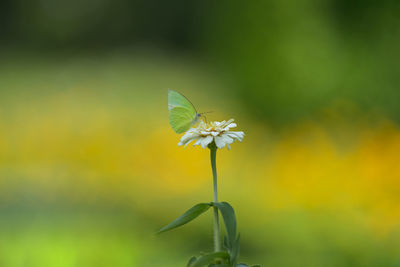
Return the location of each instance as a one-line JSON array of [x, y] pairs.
[[206, 133]]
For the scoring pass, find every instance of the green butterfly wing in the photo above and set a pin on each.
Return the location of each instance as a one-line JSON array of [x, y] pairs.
[[182, 114], [181, 120]]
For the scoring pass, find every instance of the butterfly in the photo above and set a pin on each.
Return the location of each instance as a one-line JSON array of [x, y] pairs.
[[182, 113]]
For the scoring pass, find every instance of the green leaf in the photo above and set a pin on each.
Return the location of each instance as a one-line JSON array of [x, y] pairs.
[[242, 265], [191, 260], [188, 216], [209, 258], [234, 253], [256, 265], [228, 214], [226, 242]]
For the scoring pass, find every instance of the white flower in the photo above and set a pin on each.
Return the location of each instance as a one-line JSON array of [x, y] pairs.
[[206, 133]]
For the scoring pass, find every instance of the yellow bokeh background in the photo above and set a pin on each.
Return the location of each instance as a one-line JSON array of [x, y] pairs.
[[85, 159]]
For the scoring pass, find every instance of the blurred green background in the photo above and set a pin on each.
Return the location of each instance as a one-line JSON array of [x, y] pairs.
[[90, 169]]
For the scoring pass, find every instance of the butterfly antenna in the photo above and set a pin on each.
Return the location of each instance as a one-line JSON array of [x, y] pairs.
[[205, 117]]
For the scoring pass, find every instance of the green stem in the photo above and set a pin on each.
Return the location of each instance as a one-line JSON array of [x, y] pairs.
[[217, 236]]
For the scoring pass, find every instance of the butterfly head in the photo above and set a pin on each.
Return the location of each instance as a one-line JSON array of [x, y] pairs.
[[197, 118]]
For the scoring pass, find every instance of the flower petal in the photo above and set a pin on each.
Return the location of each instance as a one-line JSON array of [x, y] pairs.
[[187, 138], [228, 139], [188, 135], [230, 121], [236, 135], [205, 141], [189, 142], [219, 141], [214, 133], [183, 142], [198, 142], [232, 125]]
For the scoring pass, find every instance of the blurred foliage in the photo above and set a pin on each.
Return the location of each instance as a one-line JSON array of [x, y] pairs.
[[289, 59], [321, 53], [94, 24]]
